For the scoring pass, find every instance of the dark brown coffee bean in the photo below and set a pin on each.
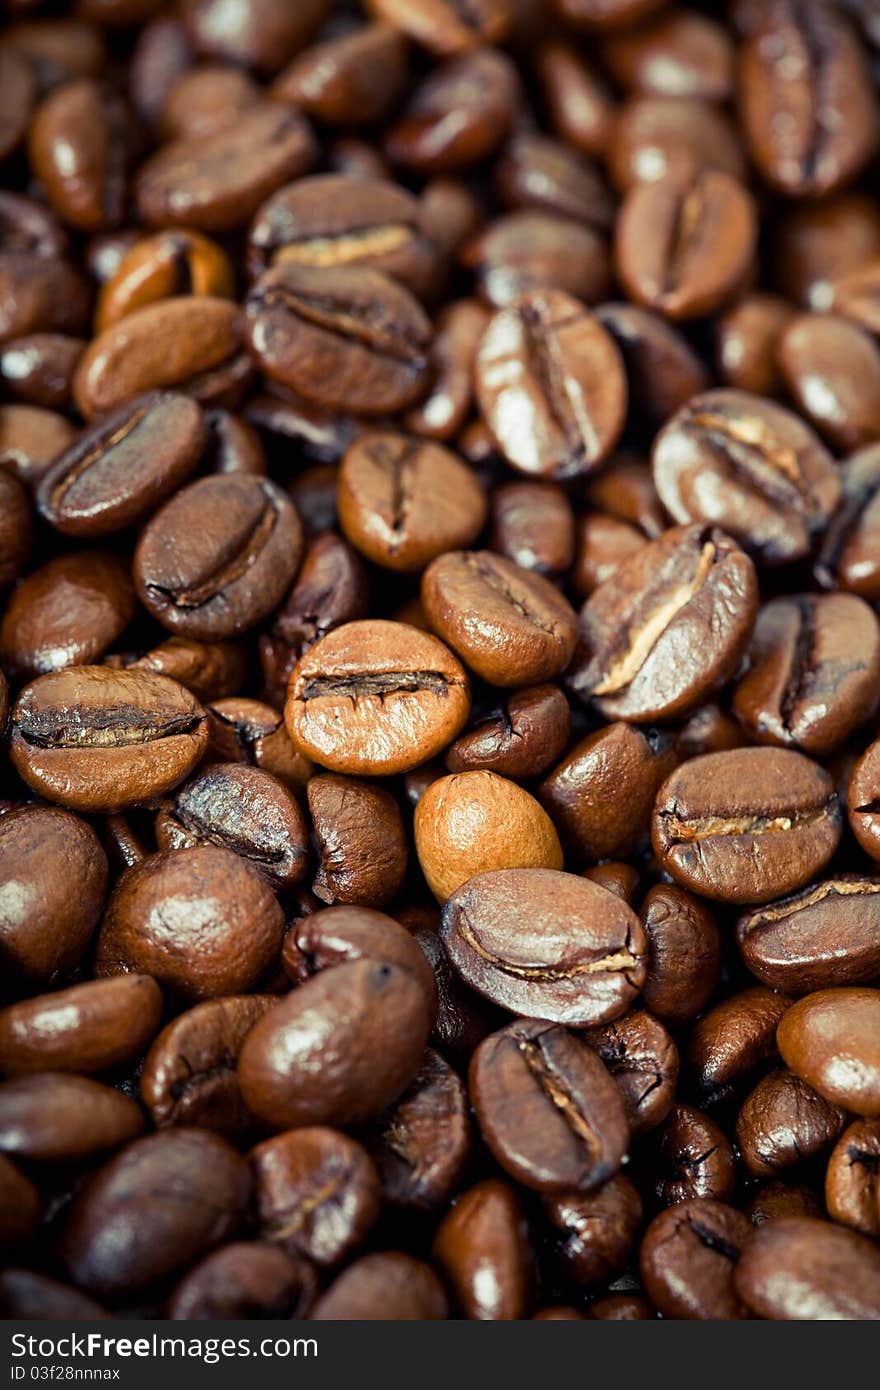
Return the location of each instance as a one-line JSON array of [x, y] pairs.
[[218, 557], [603, 543], [447, 27], [684, 953], [854, 294], [604, 14], [601, 795], [483, 1250], [547, 1107], [55, 876], [463, 1018], [263, 36], [668, 628], [643, 1059], [783, 1121], [421, 1145], [863, 800], [362, 845], [533, 525], [813, 672], [818, 241], [67, 613], [519, 738], [19, 92], [87, 1028], [58, 1117], [38, 368], [847, 556], [206, 99], [735, 1037], [577, 101], [376, 698], [243, 809], [20, 1206], [79, 146], [694, 1158], [189, 1075], [831, 367], [529, 252], [159, 266], [446, 405], [233, 445], [682, 54], [403, 501], [808, 111], [245, 1280], [748, 825], [26, 1295], [16, 528], [334, 936], [153, 1210], [386, 1285], [831, 1039], [747, 337], [748, 465], [351, 79], [622, 1307], [545, 945], [535, 172], [375, 1019], [100, 740], [828, 934], [223, 947], [671, 137], [551, 385], [852, 1179], [457, 116], [662, 368], [618, 878], [317, 1193], [595, 1232], [688, 1257], [191, 343], [709, 730], [30, 440], [775, 1200], [801, 1269], [59, 49], [251, 732], [210, 670]]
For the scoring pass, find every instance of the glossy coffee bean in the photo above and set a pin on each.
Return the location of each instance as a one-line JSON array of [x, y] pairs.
[[578, 103], [189, 1074], [30, 439], [317, 1193], [643, 1059], [594, 1233], [783, 1121], [735, 1037], [544, 945], [519, 738], [100, 740], [547, 1107], [831, 1040], [87, 1028], [159, 266], [208, 895], [244, 1280], [832, 370], [688, 1258], [748, 825], [204, 99], [325, 938], [457, 115], [805, 1269], [210, 670], [421, 1144], [819, 241], [20, 1208], [252, 732], [483, 1250], [534, 526], [16, 528], [523, 253], [748, 334], [684, 953], [446, 405], [38, 368], [388, 1284], [823, 936], [846, 557], [776, 1200], [58, 1117], [852, 1179], [662, 369], [695, 1159], [376, 698], [535, 172], [863, 800], [362, 845], [677, 54], [79, 147], [67, 613], [353, 78]]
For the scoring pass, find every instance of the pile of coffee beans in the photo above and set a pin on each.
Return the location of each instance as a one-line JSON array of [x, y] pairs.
[[440, 689]]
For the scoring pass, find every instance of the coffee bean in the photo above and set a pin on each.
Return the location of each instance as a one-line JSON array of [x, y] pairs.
[[519, 738], [825, 935], [79, 147], [801, 1269], [233, 446], [846, 557], [684, 953], [748, 825], [421, 1145], [362, 844], [748, 334], [544, 945], [688, 1258], [245, 1280], [482, 1247], [831, 1039], [622, 1307], [604, 14], [534, 526], [735, 1037], [20, 1205], [852, 1179], [458, 115], [671, 137], [206, 99], [67, 613], [695, 1159], [678, 54], [547, 1108], [252, 732], [389, 1284], [317, 1193], [26, 1295], [210, 670], [376, 698], [87, 1028], [38, 368], [57, 1117], [643, 1059], [832, 370], [524, 253], [551, 385], [351, 79], [30, 439], [595, 1233], [576, 98], [99, 740], [15, 528], [463, 1018], [535, 172], [618, 878], [446, 405], [783, 1122], [775, 1201], [662, 369]]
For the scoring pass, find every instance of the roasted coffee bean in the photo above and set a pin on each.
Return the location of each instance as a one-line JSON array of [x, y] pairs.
[[671, 137], [375, 1018], [16, 528], [472, 823], [249, 731], [159, 266], [344, 337], [421, 1145], [404, 501], [482, 1248], [604, 14], [58, 1117], [263, 36], [205, 99], [814, 665], [577, 100], [389, 1284], [316, 1192], [783, 1122], [694, 1158], [643, 1059], [748, 825], [595, 1233], [622, 1307], [67, 613], [333, 936], [351, 79], [681, 54], [709, 730], [750, 466], [825, 935], [38, 368], [662, 368], [688, 1258], [210, 670], [544, 945], [603, 543], [832, 370], [153, 1210], [79, 146], [20, 1205], [668, 628], [831, 1039], [86, 1028], [218, 556], [818, 241], [547, 1107], [800, 1269], [735, 1037], [362, 845], [863, 800], [446, 405], [519, 738], [448, 27], [535, 172], [776, 1200], [26, 1295], [533, 525], [100, 740], [376, 698], [189, 1074], [232, 446], [41, 294], [748, 334], [243, 809], [847, 555], [601, 795], [463, 1018], [684, 953], [618, 878], [525, 253], [245, 1280], [852, 1179], [206, 896], [54, 876], [511, 626], [30, 439], [458, 115], [551, 385]]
